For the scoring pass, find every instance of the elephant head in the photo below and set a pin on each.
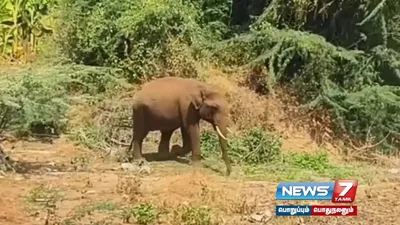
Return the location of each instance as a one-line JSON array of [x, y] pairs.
[[213, 108]]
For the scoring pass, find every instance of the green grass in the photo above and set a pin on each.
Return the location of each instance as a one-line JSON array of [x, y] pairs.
[[296, 168], [193, 215], [270, 163], [42, 194]]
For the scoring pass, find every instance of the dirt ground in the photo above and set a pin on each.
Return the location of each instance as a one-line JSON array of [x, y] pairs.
[[87, 189]]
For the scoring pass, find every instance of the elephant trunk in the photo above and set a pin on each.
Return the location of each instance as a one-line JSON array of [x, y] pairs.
[[222, 131]]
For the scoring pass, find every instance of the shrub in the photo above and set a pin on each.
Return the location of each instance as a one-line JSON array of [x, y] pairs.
[[255, 146], [40, 97], [262, 147], [142, 37], [346, 82], [145, 213], [193, 215], [209, 144], [318, 162], [29, 99]]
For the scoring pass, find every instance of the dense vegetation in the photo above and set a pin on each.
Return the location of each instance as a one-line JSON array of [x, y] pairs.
[[341, 56]]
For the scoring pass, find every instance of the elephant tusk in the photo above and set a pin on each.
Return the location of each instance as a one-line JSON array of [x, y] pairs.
[[219, 133], [229, 130]]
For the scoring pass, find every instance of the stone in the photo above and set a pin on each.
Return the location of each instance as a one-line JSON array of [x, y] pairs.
[[129, 167], [394, 171], [261, 216]]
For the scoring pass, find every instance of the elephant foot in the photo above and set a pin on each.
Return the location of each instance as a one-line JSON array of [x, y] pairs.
[[163, 151], [178, 151], [139, 160]]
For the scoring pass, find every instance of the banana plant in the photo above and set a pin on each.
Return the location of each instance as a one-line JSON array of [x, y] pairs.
[[21, 22], [35, 20], [10, 20]]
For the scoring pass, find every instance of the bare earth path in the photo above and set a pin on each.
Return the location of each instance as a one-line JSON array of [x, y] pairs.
[[92, 192]]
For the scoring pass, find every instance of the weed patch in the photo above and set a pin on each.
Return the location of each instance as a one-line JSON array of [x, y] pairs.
[[88, 211], [129, 187], [29, 99], [193, 215], [305, 167], [80, 163], [105, 207], [317, 162], [255, 146], [145, 213], [258, 155], [44, 193], [42, 197]]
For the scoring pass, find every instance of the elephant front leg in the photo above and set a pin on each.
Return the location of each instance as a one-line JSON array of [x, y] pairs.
[[186, 146], [194, 136]]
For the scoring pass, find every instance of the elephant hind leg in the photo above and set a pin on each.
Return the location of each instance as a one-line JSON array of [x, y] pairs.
[[139, 133], [163, 147]]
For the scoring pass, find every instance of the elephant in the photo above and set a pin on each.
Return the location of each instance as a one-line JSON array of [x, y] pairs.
[[168, 103]]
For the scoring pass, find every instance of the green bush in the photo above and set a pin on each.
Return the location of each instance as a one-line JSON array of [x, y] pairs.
[[91, 137], [343, 55], [255, 146], [318, 162], [29, 99], [209, 144], [352, 72], [314, 166], [193, 215], [145, 213], [324, 76], [137, 36], [42, 96], [259, 153]]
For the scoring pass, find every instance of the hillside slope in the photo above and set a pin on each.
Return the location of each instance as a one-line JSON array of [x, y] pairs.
[[65, 185]]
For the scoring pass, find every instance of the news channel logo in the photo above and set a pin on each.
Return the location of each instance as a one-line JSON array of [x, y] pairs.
[[340, 191]]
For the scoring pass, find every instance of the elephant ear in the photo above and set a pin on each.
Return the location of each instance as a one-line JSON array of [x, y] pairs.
[[204, 97], [198, 99]]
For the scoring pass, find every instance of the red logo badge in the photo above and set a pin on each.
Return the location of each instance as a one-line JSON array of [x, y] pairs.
[[344, 191]]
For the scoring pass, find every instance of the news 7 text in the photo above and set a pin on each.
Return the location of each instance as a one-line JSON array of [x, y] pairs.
[[340, 191]]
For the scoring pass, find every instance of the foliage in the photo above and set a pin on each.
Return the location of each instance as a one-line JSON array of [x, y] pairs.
[[145, 213], [102, 119], [318, 162], [340, 55], [193, 215], [21, 23], [39, 197], [29, 99], [301, 166], [259, 153], [360, 24], [255, 146], [214, 17], [133, 35], [352, 84], [91, 137], [43, 96]]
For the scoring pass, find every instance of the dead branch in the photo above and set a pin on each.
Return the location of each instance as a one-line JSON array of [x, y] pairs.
[[118, 142], [368, 146]]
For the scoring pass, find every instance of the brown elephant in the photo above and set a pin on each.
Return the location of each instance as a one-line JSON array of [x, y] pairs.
[[169, 103]]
